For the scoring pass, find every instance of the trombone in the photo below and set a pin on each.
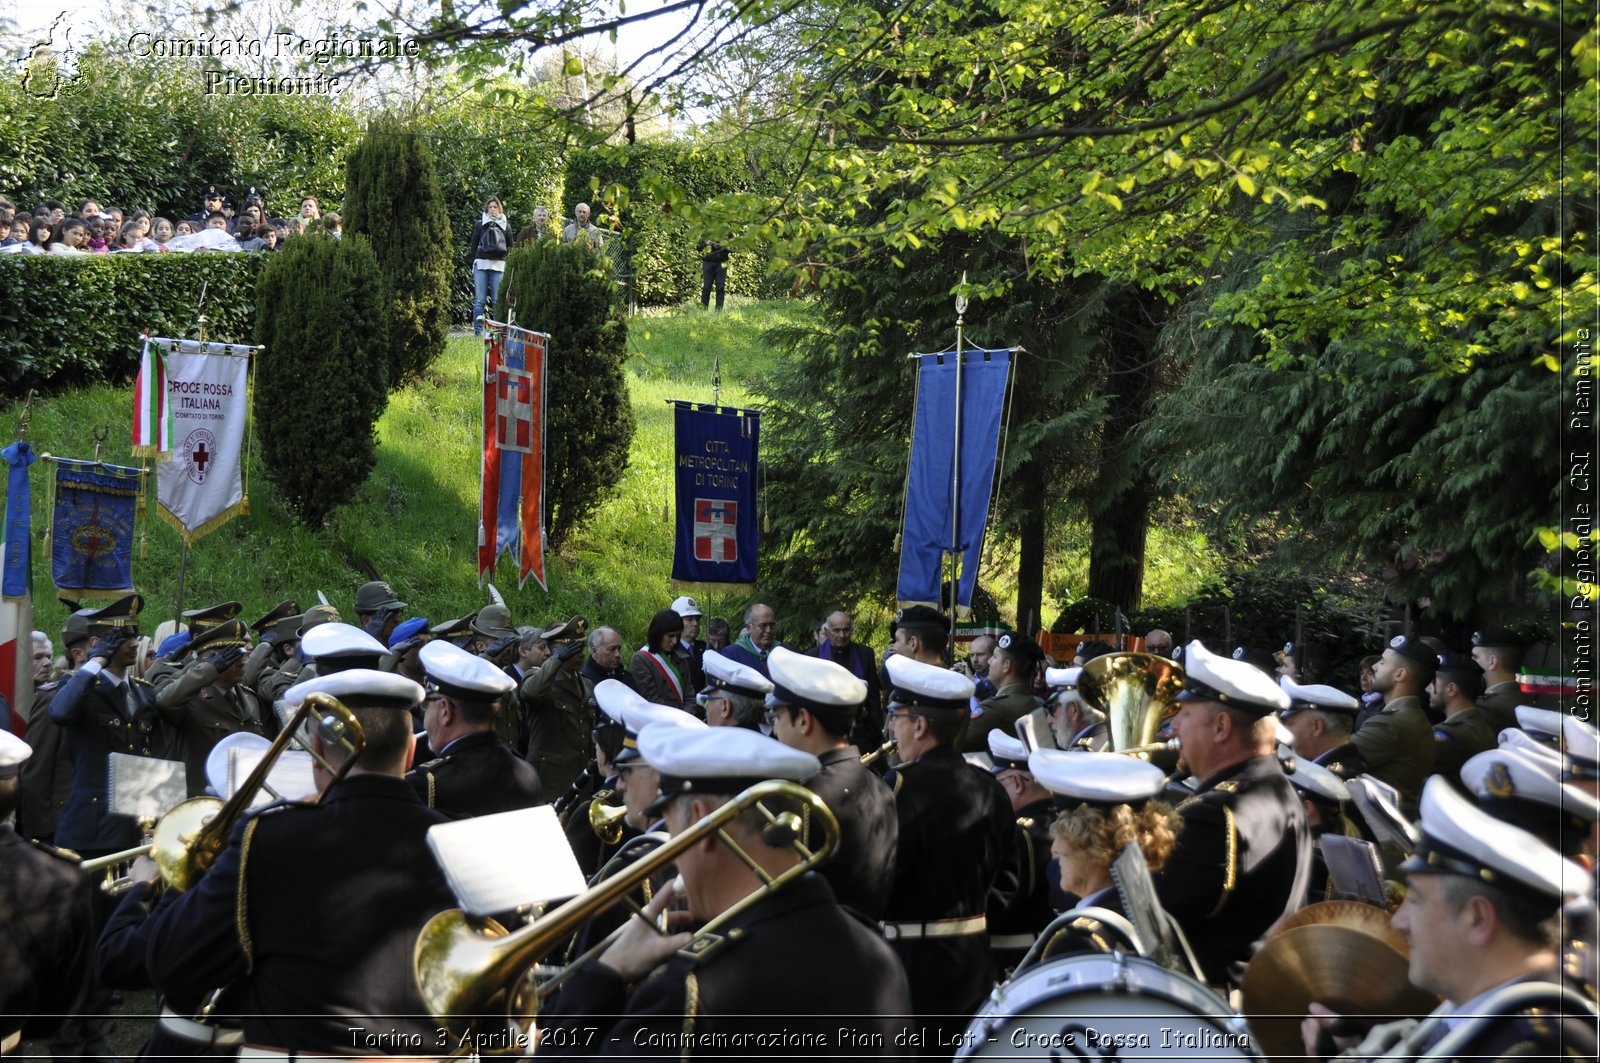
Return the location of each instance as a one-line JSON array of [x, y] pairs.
[[190, 835], [465, 972], [867, 759]]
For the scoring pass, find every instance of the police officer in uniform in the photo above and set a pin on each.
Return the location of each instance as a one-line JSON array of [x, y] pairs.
[[957, 840], [475, 774], [1011, 670], [207, 700], [556, 697], [1243, 855], [1396, 744], [1014, 925], [46, 920], [314, 909], [735, 694], [1464, 732], [813, 707], [793, 960]]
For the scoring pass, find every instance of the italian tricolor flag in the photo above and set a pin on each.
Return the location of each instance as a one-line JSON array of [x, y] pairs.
[[152, 416]]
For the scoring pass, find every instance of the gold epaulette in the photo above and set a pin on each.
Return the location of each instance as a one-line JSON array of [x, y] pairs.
[[1227, 786]]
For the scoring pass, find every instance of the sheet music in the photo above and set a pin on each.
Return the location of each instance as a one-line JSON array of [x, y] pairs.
[[1131, 876], [144, 787], [1355, 868], [506, 861], [291, 776]]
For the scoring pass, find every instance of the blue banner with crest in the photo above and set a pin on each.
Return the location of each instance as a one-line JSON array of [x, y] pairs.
[[714, 471], [91, 528]]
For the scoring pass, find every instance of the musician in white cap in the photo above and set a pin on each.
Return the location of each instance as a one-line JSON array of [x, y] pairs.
[[789, 960], [1479, 915], [1015, 922], [1101, 801], [1325, 796], [957, 842], [1243, 858], [473, 773], [46, 922], [1075, 723], [813, 707], [1525, 789], [1321, 718], [313, 909], [735, 694]]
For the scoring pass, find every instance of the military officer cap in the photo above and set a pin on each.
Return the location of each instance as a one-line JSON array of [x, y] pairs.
[[494, 621], [1101, 779], [377, 595], [336, 646], [213, 191], [1210, 677], [570, 630], [218, 637], [1379, 804], [724, 673], [923, 620], [1527, 793], [913, 684], [288, 628], [1259, 659], [1497, 637], [1290, 649], [408, 629], [1317, 782], [685, 606], [1582, 744], [1316, 696], [825, 689], [120, 614], [210, 616], [14, 752], [1020, 647], [1543, 724], [272, 617], [76, 629], [361, 688], [1416, 653], [173, 645], [1457, 664], [718, 760], [1459, 838], [455, 673], [316, 616], [1006, 752]]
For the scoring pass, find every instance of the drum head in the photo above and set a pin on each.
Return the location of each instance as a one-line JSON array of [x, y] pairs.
[[1093, 1007]]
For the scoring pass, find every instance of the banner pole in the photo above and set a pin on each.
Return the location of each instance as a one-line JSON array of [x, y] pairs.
[[955, 474], [183, 571]]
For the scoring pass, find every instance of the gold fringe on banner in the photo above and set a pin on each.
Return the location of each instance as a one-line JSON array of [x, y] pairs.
[[152, 452], [241, 506], [144, 546]]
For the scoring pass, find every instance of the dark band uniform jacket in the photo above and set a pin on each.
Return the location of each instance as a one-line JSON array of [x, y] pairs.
[[1024, 915], [313, 910], [46, 934], [477, 775], [861, 871]]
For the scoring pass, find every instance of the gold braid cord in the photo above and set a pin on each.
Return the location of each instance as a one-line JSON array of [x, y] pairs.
[[1231, 874], [691, 1004], [241, 906]]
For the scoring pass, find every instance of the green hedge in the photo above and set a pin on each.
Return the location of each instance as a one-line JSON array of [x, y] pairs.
[[66, 320], [657, 243]]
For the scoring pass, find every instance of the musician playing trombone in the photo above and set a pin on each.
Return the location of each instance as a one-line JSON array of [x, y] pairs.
[[789, 967]]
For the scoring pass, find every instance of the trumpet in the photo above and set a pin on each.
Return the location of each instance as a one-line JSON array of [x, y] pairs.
[[189, 837], [867, 759], [465, 972], [606, 820]]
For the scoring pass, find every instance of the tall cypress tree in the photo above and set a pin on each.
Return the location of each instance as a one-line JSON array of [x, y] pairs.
[[321, 310], [566, 290], [392, 197]]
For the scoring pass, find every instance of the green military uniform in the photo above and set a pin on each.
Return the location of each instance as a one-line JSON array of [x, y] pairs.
[[1499, 705], [555, 699], [1457, 738], [1001, 712], [203, 710], [1397, 747]]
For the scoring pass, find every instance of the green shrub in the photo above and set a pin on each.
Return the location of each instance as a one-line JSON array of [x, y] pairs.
[[566, 290], [68, 320], [322, 383], [392, 198]]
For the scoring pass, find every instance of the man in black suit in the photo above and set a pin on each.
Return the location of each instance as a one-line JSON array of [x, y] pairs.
[[840, 648], [475, 773]]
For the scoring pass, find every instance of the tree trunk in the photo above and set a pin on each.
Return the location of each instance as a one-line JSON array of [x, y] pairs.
[[1030, 561], [1116, 549]]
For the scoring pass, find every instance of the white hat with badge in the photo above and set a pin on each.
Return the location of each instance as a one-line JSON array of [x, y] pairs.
[[360, 688], [1007, 752], [1526, 791], [725, 673], [14, 752], [719, 760], [1312, 778], [913, 684], [1542, 724], [824, 688], [455, 673], [335, 640], [1096, 778], [1318, 696], [625, 706], [685, 606], [1236, 684], [1582, 744]]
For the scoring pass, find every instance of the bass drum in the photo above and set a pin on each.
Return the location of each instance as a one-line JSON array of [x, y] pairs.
[[1105, 1007]]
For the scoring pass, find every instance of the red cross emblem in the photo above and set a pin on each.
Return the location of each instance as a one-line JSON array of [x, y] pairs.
[[716, 525], [513, 404]]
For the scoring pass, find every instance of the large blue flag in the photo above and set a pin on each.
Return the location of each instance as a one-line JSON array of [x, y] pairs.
[[16, 564], [714, 470], [91, 532], [929, 529]]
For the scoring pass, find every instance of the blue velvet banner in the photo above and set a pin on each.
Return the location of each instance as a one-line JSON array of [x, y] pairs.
[[91, 532], [714, 470], [16, 564], [929, 530]]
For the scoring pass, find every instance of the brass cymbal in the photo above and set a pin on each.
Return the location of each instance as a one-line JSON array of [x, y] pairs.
[[1356, 915], [1347, 970]]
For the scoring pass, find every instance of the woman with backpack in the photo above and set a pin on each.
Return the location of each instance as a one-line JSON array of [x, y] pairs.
[[489, 242]]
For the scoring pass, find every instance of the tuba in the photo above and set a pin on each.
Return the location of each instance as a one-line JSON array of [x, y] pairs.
[[189, 836], [1136, 691], [466, 972]]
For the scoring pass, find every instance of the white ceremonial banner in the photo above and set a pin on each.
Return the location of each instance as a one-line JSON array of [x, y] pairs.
[[201, 488]]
